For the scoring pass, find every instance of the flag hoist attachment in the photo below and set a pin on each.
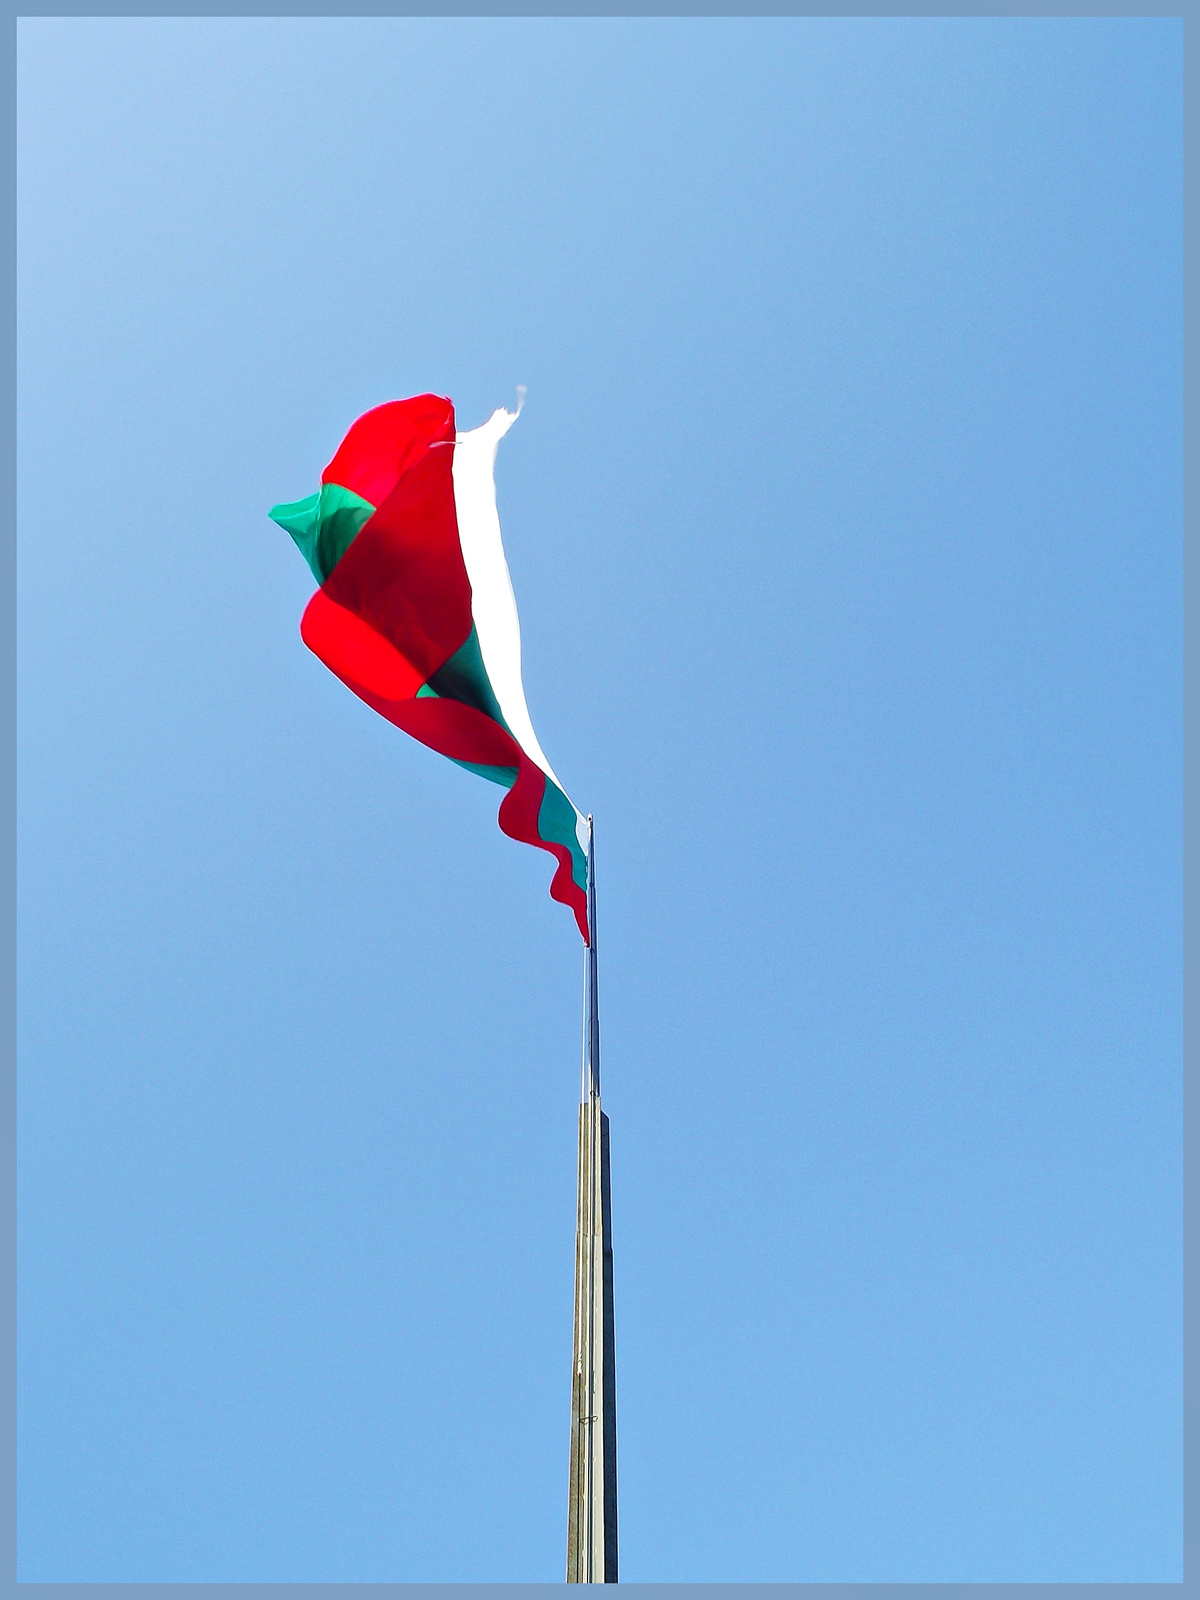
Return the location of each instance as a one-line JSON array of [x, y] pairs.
[[592, 1509]]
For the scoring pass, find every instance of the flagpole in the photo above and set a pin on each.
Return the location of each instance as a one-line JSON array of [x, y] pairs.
[[592, 1505]]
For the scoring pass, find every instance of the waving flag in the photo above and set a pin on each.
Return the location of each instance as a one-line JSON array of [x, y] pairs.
[[416, 611]]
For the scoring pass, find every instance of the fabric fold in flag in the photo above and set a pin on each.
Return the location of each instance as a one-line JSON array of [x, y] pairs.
[[416, 614]]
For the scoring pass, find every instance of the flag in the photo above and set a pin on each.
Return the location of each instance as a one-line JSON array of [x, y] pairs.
[[415, 610]]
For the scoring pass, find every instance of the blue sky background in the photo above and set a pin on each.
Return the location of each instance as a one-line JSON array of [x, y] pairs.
[[844, 518]]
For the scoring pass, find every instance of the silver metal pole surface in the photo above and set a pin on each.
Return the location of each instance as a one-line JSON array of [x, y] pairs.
[[592, 1510]]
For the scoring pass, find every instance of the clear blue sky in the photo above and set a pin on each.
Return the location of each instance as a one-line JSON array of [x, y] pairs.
[[844, 518]]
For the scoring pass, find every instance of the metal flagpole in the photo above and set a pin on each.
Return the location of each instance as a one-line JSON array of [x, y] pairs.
[[592, 1509]]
